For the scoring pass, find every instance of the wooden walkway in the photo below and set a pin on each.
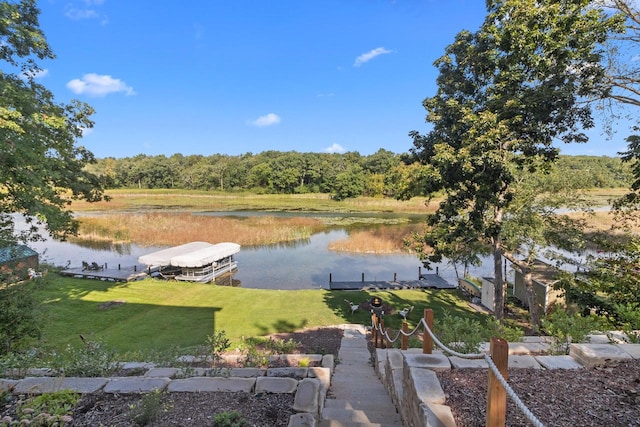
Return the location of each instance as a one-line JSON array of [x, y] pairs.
[[125, 274], [426, 281]]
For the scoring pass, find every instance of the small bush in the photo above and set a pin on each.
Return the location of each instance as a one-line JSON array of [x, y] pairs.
[[567, 328], [460, 334], [93, 359], [147, 409], [229, 419]]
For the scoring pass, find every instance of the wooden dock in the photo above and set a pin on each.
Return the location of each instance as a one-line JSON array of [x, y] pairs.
[[124, 274], [426, 281]]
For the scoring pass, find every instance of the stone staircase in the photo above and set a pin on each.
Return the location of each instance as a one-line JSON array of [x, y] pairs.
[[357, 396]]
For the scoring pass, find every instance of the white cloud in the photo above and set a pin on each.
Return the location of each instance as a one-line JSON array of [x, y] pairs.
[[335, 148], [267, 120], [99, 85], [366, 57], [85, 10]]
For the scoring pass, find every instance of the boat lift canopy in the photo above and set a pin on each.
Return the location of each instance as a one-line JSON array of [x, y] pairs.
[[194, 254]]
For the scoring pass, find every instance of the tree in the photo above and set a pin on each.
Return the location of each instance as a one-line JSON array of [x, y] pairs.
[[41, 168], [505, 94]]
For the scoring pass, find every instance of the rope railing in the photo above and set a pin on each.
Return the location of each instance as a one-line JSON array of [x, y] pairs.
[[378, 327]]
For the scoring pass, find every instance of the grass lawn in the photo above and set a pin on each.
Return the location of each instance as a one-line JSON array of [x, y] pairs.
[[159, 315]]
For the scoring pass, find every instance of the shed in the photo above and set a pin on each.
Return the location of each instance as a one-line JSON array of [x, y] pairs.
[[544, 277], [16, 260]]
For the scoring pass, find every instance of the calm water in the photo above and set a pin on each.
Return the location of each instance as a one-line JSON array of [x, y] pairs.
[[303, 265]]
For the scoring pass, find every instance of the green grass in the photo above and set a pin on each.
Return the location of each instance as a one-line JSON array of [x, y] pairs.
[[161, 315]]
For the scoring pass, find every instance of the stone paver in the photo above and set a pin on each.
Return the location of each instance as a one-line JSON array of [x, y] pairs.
[[524, 361], [632, 349], [426, 385], [306, 399], [435, 361], [288, 372], [591, 355], [462, 363], [162, 372], [37, 385], [558, 362]]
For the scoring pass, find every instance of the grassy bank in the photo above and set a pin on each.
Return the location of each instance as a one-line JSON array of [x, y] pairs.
[[131, 200], [160, 315]]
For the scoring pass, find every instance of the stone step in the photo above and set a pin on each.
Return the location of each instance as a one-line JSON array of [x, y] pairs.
[[349, 415], [375, 404], [335, 423]]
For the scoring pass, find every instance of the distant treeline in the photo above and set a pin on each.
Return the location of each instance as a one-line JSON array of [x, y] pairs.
[[342, 175]]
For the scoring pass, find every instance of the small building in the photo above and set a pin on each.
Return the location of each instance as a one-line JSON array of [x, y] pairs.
[[544, 277], [15, 261]]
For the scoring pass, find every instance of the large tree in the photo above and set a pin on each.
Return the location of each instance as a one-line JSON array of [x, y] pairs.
[[506, 94], [41, 168]]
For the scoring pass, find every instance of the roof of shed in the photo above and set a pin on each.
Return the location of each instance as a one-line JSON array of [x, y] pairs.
[[15, 252]]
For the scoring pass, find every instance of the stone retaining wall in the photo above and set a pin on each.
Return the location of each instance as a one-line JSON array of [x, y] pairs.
[[309, 385]]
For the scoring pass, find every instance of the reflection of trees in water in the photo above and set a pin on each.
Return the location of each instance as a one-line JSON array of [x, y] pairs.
[[103, 245], [227, 280]]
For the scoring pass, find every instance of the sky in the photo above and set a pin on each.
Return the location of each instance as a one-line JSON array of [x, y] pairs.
[[246, 76]]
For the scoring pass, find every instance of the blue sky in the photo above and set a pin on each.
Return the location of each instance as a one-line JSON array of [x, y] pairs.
[[232, 77]]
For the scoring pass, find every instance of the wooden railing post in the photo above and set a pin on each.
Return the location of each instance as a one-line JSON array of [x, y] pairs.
[[374, 329], [405, 339], [382, 338], [427, 341], [387, 342], [496, 394]]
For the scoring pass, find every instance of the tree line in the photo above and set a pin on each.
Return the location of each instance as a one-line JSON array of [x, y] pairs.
[[351, 174]]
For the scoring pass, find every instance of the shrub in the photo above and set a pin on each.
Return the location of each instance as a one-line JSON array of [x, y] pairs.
[[93, 359], [229, 419], [147, 409], [567, 328], [460, 334]]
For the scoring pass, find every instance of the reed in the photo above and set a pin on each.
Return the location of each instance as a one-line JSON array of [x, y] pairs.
[[169, 229], [381, 240]]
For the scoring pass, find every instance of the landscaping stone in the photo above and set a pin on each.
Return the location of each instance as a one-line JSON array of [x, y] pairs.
[[307, 396], [435, 415], [302, 420], [288, 372], [7, 385], [591, 355], [632, 349], [162, 372], [128, 385], [558, 362], [246, 372], [436, 362], [202, 384], [516, 348], [523, 361], [38, 385], [462, 363], [276, 385]]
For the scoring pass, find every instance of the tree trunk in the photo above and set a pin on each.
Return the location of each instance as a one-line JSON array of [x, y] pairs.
[[531, 297], [498, 282]]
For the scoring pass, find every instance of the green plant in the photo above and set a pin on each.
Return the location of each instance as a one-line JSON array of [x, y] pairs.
[[229, 419], [92, 359], [147, 409], [47, 409], [304, 362], [493, 328], [217, 344], [567, 328], [460, 334]]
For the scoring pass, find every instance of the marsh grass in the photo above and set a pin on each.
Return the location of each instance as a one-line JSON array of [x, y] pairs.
[[381, 240], [157, 229], [132, 200]]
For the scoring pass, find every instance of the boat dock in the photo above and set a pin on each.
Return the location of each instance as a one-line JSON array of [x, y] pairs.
[[426, 281], [121, 274]]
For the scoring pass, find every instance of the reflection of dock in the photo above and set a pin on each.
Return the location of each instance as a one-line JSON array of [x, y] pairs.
[[125, 274], [426, 281]]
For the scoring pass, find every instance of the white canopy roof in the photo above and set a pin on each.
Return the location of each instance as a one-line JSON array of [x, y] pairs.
[[205, 256], [190, 254]]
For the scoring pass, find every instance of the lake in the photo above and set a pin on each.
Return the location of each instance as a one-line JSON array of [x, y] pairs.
[[301, 265]]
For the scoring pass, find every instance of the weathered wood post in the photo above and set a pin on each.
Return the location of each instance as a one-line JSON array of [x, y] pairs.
[[496, 394], [374, 329], [382, 338], [427, 341], [405, 339], [387, 342]]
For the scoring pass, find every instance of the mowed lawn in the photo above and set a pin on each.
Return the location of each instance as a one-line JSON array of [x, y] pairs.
[[159, 315]]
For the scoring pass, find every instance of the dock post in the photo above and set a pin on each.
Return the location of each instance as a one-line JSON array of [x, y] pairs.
[[330, 280], [118, 266], [105, 266], [437, 271], [419, 272], [135, 268], [362, 277], [395, 277]]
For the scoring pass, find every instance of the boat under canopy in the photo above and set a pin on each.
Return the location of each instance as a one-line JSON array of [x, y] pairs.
[[195, 261]]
